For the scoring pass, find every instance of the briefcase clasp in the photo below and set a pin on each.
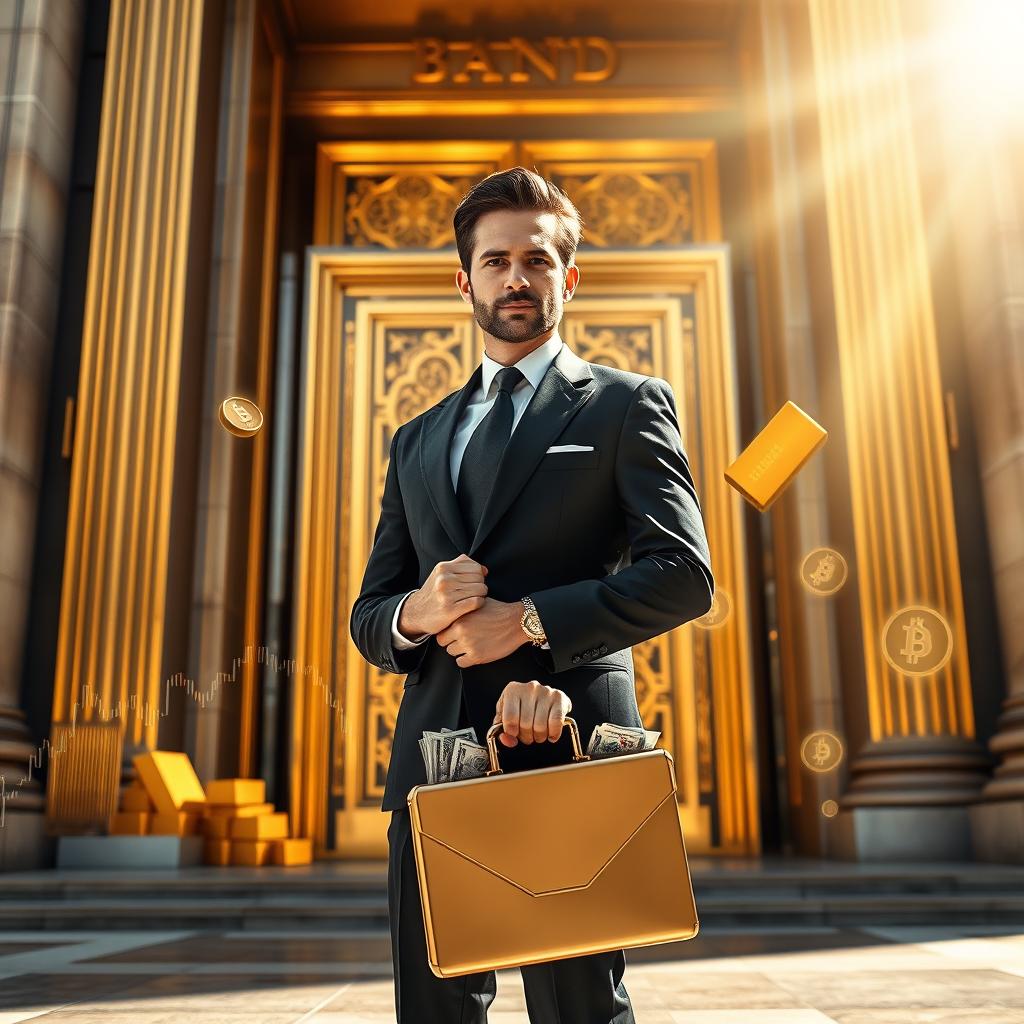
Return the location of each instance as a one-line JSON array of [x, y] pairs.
[[492, 745]]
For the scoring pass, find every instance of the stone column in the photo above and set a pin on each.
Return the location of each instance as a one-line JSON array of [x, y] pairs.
[[810, 671], [127, 572], [911, 782], [40, 50], [984, 168], [228, 552]]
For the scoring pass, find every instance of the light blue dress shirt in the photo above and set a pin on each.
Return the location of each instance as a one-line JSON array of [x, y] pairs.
[[533, 367]]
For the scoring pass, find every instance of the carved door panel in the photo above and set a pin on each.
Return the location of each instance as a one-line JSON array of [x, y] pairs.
[[386, 336], [374, 361]]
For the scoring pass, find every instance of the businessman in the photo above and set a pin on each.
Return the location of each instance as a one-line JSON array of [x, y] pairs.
[[535, 525]]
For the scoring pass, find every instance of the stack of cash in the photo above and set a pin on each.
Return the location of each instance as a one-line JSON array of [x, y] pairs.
[[607, 740], [453, 754]]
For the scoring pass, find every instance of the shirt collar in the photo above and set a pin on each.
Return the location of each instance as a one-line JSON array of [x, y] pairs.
[[533, 366]]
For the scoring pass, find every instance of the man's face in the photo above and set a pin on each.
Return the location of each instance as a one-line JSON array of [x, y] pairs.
[[516, 282]]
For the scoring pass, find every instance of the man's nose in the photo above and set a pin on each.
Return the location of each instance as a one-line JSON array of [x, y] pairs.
[[517, 280]]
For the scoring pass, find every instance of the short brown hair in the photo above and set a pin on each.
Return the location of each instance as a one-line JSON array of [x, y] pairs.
[[517, 188]]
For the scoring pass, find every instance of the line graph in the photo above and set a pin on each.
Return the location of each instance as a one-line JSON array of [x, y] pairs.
[[151, 712]]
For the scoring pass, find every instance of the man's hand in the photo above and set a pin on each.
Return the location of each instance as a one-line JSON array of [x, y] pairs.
[[492, 631], [531, 712], [451, 590]]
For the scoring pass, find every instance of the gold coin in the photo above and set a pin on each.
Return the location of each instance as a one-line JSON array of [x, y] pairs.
[[829, 808], [823, 571], [240, 416], [917, 640], [821, 751], [720, 609]]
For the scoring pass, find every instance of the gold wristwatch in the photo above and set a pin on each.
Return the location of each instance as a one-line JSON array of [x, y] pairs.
[[531, 624]]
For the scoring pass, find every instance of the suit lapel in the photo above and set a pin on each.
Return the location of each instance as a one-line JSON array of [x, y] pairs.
[[436, 436], [562, 392]]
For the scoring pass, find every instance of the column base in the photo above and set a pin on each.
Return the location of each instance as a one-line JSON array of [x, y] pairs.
[[997, 831], [24, 844], [927, 834]]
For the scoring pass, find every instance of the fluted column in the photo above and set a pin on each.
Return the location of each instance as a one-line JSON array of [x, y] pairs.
[[984, 143], [922, 754], [144, 300], [40, 51]]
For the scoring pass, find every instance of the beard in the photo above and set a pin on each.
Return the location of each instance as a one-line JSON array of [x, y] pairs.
[[516, 325]]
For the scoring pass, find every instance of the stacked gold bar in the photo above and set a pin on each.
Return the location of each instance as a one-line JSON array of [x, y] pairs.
[[165, 800], [242, 828], [238, 825]]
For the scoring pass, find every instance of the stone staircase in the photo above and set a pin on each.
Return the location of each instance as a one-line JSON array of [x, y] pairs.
[[350, 898]]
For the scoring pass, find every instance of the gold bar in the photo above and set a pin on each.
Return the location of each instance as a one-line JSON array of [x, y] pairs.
[[763, 470], [177, 823], [289, 852], [236, 791], [238, 810], [169, 778], [130, 823], [217, 852], [135, 798], [251, 852], [267, 826]]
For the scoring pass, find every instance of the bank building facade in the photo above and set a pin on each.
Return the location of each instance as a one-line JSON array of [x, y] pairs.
[[783, 201]]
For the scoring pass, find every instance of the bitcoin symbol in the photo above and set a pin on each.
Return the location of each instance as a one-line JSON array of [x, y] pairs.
[[823, 571], [821, 751], [240, 416], [717, 613], [241, 413], [917, 641]]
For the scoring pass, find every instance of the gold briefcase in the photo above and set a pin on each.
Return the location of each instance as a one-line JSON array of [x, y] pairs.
[[538, 865]]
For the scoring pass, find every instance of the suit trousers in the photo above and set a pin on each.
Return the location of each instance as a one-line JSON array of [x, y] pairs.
[[576, 990]]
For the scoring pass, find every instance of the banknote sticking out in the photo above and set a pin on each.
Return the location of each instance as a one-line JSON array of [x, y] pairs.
[[608, 740], [454, 754]]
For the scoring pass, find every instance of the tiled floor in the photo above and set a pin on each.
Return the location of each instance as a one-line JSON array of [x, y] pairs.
[[890, 975]]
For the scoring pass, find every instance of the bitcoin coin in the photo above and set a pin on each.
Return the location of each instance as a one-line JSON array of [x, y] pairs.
[[829, 808], [240, 416], [719, 611], [917, 640], [823, 571], [821, 751]]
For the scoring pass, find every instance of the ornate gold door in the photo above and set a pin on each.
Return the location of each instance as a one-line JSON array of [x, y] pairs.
[[386, 336], [386, 339]]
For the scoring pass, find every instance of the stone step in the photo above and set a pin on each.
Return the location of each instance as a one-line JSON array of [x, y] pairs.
[[337, 882], [369, 913]]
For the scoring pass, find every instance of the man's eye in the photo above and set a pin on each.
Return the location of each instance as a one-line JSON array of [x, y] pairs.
[[494, 259]]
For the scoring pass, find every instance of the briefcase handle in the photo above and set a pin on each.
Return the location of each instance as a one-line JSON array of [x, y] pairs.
[[492, 745]]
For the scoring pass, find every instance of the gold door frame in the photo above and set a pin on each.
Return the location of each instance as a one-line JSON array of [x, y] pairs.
[[348, 411]]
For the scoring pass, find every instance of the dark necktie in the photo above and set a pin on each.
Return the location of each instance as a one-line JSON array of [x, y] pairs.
[[480, 460]]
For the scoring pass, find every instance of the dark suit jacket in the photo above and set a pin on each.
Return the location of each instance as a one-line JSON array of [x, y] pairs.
[[609, 543]]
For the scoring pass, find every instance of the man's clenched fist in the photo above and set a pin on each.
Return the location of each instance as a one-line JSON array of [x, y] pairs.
[[531, 712], [452, 589]]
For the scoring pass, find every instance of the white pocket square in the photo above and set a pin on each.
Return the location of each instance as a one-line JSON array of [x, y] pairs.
[[571, 448]]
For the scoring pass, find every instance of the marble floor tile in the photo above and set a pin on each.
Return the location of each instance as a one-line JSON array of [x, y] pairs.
[[931, 1015], [735, 992], [907, 989], [749, 1017], [885, 975]]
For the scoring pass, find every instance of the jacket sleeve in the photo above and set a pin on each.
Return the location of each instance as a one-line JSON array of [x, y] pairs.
[[391, 572], [669, 580]]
